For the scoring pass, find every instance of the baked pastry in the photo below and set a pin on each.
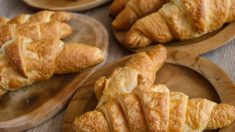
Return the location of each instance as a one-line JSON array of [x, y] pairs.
[[23, 61], [35, 31], [139, 70], [116, 7], [40, 17], [134, 10], [156, 109], [181, 20]]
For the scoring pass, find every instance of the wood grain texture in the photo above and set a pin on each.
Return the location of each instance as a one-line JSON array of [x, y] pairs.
[[32, 105], [68, 5], [224, 56], [195, 76]]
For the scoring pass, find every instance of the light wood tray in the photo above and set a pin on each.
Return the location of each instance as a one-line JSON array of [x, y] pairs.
[[195, 76], [197, 46], [66, 5], [32, 105]]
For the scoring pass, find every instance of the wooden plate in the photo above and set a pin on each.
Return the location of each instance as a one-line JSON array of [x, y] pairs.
[[32, 105], [68, 5], [197, 46], [195, 76]]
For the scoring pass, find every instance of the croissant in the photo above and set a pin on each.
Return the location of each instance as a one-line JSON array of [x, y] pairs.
[[181, 20], [140, 69], [35, 31], [24, 61], [116, 7], [40, 17], [134, 10], [156, 109]]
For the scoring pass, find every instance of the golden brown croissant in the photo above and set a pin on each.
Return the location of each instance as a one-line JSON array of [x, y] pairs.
[[155, 109], [181, 20], [116, 7], [134, 10], [24, 61], [41, 17], [140, 69], [35, 31]]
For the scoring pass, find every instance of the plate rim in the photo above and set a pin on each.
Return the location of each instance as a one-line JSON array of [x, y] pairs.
[[84, 7]]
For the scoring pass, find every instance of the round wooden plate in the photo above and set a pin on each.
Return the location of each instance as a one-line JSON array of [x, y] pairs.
[[65, 5], [197, 46], [32, 105], [195, 76]]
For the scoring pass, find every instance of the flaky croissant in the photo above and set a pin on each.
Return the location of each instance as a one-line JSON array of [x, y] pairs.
[[40, 17], [181, 20], [155, 109], [134, 10], [139, 70], [35, 31], [23, 61]]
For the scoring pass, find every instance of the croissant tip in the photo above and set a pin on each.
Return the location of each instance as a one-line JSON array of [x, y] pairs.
[[114, 10], [112, 13], [129, 40], [66, 30], [119, 26], [100, 56], [134, 39], [157, 52], [66, 16]]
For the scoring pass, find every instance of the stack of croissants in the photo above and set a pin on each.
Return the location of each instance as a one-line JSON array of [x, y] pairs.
[[129, 101], [32, 49], [147, 22]]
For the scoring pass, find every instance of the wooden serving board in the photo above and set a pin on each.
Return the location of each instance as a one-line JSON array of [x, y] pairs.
[[32, 105], [68, 5], [195, 76], [203, 44]]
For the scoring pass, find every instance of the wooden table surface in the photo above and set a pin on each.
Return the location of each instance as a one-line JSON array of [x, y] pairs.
[[224, 57]]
